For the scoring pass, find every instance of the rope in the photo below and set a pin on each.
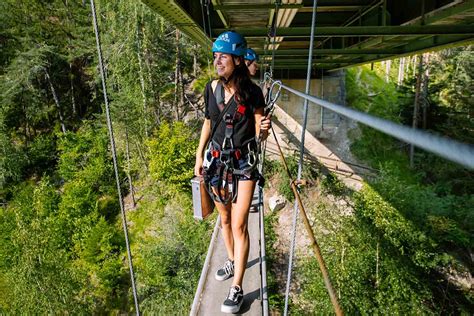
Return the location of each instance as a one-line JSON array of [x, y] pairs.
[[309, 230], [300, 164], [445, 147], [114, 157]]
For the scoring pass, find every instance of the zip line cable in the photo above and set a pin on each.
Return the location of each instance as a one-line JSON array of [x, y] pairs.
[[114, 157], [442, 146], [300, 164]]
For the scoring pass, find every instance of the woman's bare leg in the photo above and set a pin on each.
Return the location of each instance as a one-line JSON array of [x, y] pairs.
[[224, 212], [239, 220]]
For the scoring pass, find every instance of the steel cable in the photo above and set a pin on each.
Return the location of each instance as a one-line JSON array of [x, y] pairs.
[[447, 148], [114, 157], [300, 164]]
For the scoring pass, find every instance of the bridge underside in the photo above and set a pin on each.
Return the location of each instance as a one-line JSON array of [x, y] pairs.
[[348, 32]]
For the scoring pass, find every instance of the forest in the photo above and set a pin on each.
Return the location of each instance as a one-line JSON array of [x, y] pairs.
[[407, 249]]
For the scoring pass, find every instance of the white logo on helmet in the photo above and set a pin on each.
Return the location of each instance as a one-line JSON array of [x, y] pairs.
[[224, 37]]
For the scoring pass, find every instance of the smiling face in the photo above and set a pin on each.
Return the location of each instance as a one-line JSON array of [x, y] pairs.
[[252, 66], [225, 64]]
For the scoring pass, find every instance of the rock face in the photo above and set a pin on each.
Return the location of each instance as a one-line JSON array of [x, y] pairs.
[[276, 203]]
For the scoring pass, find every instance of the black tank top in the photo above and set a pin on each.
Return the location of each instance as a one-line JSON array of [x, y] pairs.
[[244, 128]]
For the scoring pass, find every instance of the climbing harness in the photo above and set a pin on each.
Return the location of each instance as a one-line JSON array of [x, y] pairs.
[[224, 160]]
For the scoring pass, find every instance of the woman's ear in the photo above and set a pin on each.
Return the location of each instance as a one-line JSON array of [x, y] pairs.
[[237, 61]]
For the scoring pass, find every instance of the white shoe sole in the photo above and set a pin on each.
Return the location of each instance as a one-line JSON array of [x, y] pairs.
[[222, 278], [231, 309]]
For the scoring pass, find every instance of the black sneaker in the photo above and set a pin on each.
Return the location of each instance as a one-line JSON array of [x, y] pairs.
[[226, 272], [234, 300]]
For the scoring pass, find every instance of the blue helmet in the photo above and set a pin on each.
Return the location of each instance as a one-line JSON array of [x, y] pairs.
[[230, 43], [251, 55]]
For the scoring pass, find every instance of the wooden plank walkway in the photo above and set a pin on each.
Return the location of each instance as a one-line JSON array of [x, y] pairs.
[[214, 292]]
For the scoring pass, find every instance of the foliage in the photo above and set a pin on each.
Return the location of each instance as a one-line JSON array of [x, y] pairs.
[[172, 154], [422, 214], [62, 249], [170, 248], [366, 268], [61, 242], [275, 300]]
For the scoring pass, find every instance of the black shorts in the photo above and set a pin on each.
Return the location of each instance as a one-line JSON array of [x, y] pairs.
[[238, 164]]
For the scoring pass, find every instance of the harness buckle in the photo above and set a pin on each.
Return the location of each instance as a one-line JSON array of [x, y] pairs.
[[225, 156]]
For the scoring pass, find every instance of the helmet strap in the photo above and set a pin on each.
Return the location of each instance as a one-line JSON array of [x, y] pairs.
[[226, 81]]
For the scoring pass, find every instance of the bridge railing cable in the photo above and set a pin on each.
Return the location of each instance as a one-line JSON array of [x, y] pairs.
[[114, 157], [300, 164], [447, 148]]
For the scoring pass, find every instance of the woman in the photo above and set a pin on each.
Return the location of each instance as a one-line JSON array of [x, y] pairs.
[[251, 60], [234, 118]]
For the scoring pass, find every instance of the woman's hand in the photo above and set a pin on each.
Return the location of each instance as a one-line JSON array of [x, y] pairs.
[[265, 125], [198, 166]]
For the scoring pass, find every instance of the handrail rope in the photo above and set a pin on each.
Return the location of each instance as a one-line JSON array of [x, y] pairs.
[[300, 163], [114, 157], [442, 146], [309, 230]]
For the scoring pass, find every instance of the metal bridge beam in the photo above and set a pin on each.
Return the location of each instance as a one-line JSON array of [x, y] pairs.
[[300, 7], [322, 52], [337, 31]]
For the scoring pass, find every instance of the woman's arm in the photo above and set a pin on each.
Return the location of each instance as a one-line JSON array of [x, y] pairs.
[[205, 134]]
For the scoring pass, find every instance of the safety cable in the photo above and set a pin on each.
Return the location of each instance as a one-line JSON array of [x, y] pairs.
[[442, 146], [309, 230], [300, 164], [114, 156]]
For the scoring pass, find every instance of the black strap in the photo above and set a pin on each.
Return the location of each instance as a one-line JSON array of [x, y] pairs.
[[219, 97]]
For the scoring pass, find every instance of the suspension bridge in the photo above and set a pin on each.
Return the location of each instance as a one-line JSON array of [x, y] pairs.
[[300, 43]]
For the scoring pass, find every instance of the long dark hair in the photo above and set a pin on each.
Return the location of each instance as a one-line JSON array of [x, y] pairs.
[[242, 81]]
